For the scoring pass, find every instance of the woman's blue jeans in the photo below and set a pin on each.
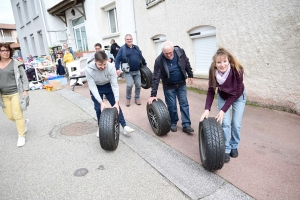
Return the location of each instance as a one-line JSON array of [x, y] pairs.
[[232, 126], [170, 98], [107, 91]]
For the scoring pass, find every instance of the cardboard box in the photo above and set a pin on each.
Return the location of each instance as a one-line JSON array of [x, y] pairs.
[[56, 84]]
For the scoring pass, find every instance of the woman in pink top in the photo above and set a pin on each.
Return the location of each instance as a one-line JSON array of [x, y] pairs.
[[226, 74]]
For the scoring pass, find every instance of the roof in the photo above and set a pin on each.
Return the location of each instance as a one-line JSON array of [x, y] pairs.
[[15, 45], [8, 26], [60, 8]]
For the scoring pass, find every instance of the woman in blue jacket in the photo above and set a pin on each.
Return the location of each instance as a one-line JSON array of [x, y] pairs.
[[226, 74]]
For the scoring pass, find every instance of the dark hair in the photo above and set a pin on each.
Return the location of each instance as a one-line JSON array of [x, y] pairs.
[[7, 46], [100, 56], [98, 44]]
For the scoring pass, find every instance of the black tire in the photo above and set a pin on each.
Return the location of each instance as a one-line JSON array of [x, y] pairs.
[[109, 129], [159, 118], [211, 144], [146, 77]]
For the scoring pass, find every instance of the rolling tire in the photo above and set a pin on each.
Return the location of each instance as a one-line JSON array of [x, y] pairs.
[[211, 144], [159, 118], [109, 129], [146, 77]]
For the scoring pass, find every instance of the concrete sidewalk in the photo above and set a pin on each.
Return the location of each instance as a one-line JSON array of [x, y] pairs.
[[61, 139], [268, 166]]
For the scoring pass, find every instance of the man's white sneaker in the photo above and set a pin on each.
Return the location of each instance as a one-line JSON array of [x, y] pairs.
[[98, 133], [21, 141], [26, 122], [128, 130]]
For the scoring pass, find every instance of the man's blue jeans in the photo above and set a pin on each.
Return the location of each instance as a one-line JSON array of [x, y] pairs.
[[133, 77], [232, 126], [107, 91], [170, 98]]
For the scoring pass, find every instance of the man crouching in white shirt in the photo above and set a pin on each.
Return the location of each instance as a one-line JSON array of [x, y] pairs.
[[102, 80]]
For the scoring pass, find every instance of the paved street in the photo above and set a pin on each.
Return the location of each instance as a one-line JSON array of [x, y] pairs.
[[142, 167]]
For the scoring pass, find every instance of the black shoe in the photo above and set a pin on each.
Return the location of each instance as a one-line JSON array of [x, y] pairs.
[[234, 153], [227, 158], [174, 128], [187, 129]]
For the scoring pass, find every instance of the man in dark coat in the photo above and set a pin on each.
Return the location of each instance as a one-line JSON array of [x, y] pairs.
[[114, 48], [132, 55], [173, 67]]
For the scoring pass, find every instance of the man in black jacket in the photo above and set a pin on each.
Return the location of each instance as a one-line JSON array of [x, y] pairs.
[[114, 48], [173, 67]]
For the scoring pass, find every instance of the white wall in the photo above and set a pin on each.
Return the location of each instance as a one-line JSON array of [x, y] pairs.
[[263, 35], [53, 23], [30, 26]]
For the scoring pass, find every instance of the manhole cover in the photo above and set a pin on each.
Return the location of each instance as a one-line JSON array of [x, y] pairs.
[[81, 172], [79, 128]]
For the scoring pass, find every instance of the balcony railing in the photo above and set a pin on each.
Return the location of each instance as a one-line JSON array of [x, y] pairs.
[[6, 39]]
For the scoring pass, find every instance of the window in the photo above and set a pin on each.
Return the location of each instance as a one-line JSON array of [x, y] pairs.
[[158, 40], [33, 45], [78, 21], [41, 41], [112, 21], [26, 10], [20, 15], [204, 45], [7, 36], [80, 34], [34, 8], [26, 45]]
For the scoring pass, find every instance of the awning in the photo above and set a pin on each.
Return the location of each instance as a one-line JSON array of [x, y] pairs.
[[60, 9], [15, 45]]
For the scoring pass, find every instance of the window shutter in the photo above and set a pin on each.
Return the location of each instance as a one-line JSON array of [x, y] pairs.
[[204, 49]]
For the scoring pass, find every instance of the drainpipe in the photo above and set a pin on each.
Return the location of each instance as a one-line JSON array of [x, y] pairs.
[[134, 23], [46, 31]]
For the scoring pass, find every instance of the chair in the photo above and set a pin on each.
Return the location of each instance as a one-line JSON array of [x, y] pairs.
[[76, 71]]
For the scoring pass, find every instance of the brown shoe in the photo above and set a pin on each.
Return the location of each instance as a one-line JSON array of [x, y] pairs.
[[127, 102], [137, 102]]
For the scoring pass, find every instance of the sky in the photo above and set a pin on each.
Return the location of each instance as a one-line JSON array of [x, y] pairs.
[[6, 13]]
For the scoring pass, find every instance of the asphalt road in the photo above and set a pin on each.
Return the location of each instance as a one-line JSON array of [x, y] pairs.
[[142, 167]]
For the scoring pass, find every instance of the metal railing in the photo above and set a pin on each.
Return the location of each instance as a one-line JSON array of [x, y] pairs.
[[6, 39]]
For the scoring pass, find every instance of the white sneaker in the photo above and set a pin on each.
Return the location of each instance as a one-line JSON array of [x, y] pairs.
[[128, 130], [26, 122], [98, 133], [21, 141]]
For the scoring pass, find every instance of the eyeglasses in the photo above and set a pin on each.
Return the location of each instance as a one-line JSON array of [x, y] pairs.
[[4, 50]]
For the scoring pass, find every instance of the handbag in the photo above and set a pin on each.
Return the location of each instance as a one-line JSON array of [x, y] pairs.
[[125, 67]]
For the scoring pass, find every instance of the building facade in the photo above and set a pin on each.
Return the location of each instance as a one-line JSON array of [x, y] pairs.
[[8, 33], [43, 24], [263, 35], [29, 18]]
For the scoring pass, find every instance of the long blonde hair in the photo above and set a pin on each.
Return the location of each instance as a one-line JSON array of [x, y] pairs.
[[234, 64]]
